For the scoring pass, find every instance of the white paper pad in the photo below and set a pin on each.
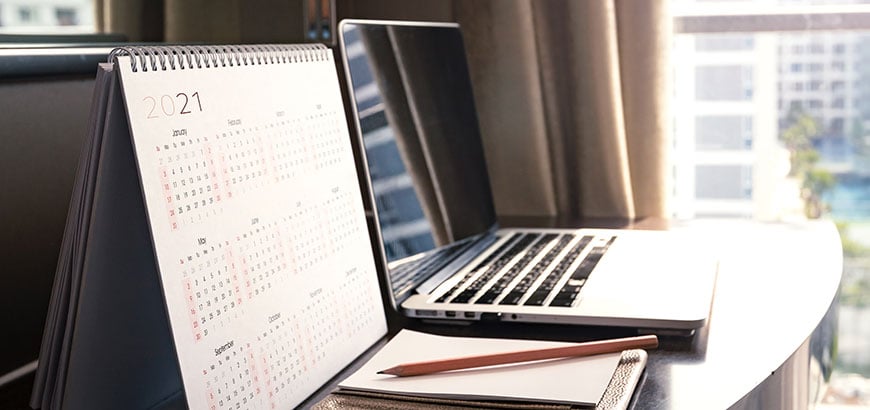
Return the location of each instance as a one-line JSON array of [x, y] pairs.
[[579, 380]]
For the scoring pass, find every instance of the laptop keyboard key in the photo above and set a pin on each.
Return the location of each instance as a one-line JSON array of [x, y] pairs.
[[466, 295], [569, 292], [520, 289], [508, 243], [538, 297], [540, 294], [513, 298], [499, 286], [487, 298]]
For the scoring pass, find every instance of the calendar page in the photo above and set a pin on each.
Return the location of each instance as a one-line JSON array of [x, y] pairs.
[[257, 220]]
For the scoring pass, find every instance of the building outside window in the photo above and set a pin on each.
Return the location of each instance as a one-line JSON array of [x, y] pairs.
[[794, 107], [26, 14], [47, 16], [66, 16]]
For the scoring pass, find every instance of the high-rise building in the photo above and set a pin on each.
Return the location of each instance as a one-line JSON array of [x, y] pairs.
[[818, 76], [736, 92]]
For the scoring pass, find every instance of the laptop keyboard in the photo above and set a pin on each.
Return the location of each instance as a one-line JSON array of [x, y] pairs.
[[498, 285], [494, 268], [515, 295]]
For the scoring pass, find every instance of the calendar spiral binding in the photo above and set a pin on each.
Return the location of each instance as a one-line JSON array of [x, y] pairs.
[[166, 58]]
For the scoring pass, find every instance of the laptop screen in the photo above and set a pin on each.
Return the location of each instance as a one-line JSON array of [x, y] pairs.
[[420, 133]]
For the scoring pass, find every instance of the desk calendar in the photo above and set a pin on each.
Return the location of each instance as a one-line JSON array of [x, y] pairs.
[[230, 170]]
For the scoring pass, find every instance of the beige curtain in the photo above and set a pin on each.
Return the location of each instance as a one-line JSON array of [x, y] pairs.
[[138, 20], [572, 94], [573, 100], [202, 21]]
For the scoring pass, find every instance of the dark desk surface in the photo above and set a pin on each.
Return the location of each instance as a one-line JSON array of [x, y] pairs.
[[769, 340]]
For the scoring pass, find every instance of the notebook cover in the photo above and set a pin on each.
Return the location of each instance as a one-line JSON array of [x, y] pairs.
[[616, 397]]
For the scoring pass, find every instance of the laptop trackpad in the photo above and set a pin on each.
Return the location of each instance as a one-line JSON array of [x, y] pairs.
[[649, 276]]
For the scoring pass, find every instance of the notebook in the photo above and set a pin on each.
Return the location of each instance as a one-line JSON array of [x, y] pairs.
[[508, 382], [441, 249], [216, 251]]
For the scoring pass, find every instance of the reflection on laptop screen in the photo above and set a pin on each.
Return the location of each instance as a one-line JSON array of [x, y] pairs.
[[420, 131]]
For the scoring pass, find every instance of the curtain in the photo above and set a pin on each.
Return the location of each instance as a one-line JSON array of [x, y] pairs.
[[422, 79], [202, 21], [138, 20], [572, 94], [573, 101], [386, 69]]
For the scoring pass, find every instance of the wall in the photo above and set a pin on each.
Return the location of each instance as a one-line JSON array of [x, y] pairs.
[[44, 123]]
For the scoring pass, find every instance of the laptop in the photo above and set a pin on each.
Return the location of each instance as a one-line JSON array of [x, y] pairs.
[[444, 256]]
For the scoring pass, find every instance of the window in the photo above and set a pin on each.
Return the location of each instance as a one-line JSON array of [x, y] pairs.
[[66, 16], [723, 133], [710, 83], [724, 42], [723, 182], [818, 75], [26, 14], [837, 125], [49, 17]]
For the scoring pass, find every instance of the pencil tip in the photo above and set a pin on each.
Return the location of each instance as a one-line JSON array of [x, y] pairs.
[[391, 371]]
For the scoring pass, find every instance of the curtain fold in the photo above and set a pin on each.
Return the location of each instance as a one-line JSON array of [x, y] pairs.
[[504, 68], [384, 67], [579, 76], [645, 29], [442, 121], [422, 80], [582, 86]]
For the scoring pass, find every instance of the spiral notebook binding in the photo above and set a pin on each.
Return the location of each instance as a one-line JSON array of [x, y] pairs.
[[167, 58]]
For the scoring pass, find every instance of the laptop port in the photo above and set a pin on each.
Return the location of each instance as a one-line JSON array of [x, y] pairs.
[[427, 313], [469, 315], [490, 317], [450, 314]]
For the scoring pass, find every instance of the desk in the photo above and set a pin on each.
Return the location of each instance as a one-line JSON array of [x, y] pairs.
[[769, 340]]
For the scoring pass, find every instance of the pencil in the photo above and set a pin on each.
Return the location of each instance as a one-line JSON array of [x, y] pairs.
[[578, 350]]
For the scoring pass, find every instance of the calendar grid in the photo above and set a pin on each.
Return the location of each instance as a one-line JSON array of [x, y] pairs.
[[258, 227]]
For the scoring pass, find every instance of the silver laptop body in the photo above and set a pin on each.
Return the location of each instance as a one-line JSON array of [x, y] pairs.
[[444, 257]]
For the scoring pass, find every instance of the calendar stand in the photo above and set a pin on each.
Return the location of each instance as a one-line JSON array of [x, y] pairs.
[[216, 248]]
